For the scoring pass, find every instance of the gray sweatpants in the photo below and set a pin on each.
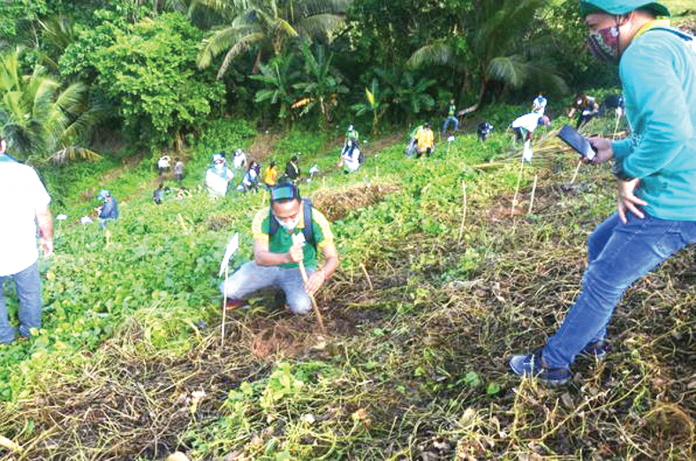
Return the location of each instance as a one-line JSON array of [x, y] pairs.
[[251, 278]]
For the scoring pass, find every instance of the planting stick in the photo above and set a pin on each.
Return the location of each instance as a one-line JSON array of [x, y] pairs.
[[517, 188], [531, 201], [183, 224], [230, 250], [577, 168], [299, 238], [320, 319], [461, 228], [367, 276], [224, 306], [616, 127]]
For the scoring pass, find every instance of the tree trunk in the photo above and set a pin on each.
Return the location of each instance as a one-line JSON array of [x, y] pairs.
[[482, 93]]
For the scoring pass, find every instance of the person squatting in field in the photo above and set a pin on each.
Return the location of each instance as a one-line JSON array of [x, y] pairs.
[[23, 204], [425, 141], [655, 169], [277, 256]]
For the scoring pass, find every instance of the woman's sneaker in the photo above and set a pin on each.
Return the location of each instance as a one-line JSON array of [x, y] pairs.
[[533, 365], [596, 350]]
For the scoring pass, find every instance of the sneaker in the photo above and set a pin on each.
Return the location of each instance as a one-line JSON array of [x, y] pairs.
[[595, 350], [231, 304], [533, 365]]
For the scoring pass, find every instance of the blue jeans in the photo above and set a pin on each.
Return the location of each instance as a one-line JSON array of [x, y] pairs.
[[448, 120], [251, 278], [618, 255], [28, 286]]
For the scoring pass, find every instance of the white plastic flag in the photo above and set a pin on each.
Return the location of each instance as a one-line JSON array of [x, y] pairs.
[[232, 247]]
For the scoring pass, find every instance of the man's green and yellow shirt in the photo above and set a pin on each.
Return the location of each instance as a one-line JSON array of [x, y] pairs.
[[282, 240]]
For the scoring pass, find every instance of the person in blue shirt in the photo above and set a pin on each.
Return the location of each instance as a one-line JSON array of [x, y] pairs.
[[655, 169], [109, 210]]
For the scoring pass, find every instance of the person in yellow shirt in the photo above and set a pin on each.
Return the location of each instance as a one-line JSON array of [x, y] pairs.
[[270, 175], [425, 141]]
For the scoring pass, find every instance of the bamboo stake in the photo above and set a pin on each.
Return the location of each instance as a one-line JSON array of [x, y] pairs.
[[577, 168], [461, 228], [183, 224], [531, 200], [517, 188], [299, 238], [367, 276], [224, 306], [320, 319], [616, 127]]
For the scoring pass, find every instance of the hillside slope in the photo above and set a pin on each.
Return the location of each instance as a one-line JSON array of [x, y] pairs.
[[439, 283]]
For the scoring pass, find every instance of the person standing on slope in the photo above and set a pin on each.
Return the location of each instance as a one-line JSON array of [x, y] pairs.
[[655, 171]]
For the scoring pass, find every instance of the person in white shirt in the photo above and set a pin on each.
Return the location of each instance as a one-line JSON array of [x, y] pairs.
[[163, 164], [239, 162], [218, 177], [539, 104], [23, 204]]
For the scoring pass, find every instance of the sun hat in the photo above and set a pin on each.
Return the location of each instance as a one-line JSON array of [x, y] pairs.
[[619, 7]]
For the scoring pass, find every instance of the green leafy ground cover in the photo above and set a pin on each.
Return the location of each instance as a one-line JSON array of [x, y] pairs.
[[420, 321]]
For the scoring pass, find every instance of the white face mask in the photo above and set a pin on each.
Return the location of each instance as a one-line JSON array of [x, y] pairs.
[[289, 224]]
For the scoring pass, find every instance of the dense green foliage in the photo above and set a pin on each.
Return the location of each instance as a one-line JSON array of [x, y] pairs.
[[147, 71], [163, 70]]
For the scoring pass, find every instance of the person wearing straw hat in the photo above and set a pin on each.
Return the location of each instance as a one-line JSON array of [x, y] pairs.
[[23, 205], [655, 169], [277, 258]]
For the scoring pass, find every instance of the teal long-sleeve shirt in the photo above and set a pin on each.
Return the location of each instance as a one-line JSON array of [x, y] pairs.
[[658, 75]]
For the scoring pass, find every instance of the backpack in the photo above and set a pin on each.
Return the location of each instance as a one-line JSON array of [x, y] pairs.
[[308, 231]]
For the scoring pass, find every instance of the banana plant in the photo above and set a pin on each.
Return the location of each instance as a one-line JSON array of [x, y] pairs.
[[376, 103]]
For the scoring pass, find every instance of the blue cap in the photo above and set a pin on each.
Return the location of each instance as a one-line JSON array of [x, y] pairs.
[[619, 7]]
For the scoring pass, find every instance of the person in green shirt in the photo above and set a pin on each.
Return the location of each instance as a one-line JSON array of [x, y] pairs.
[[410, 150], [451, 117], [655, 170], [276, 257]]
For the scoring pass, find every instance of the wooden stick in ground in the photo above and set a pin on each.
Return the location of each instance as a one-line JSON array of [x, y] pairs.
[[299, 238], [616, 127], [320, 319], [183, 225], [577, 168], [461, 228], [517, 188], [531, 200], [367, 276], [224, 306]]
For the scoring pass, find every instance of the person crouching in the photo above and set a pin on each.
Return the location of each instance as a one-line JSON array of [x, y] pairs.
[[276, 258]]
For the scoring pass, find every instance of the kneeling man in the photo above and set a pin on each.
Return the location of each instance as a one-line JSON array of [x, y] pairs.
[[276, 257]]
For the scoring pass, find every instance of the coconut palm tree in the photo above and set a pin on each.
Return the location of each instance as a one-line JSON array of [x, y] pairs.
[[39, 119], [495, 47], [266, 26]]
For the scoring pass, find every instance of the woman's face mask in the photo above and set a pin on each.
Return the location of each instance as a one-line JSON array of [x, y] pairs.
[[604, 44]]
